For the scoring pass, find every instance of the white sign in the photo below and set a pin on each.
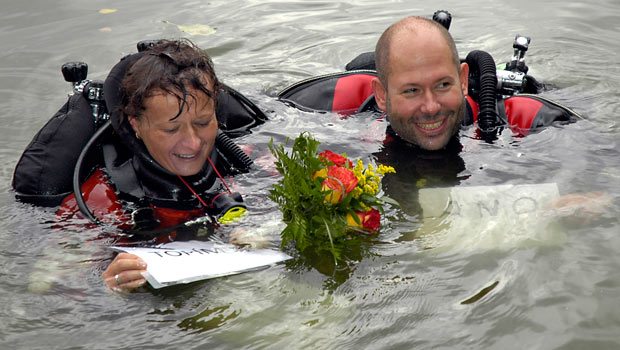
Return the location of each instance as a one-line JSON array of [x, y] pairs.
[[487, 202], [185, 262], [488, 217]]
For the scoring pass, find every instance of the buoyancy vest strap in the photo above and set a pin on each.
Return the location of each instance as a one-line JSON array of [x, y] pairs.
[[368, 104], [474, 108], [341, 92], [501, 112], [122, 176], [351, 92], [521, 111]]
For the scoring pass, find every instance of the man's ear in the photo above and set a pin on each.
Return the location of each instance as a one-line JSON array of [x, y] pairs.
[[380, 93], [464, 78]]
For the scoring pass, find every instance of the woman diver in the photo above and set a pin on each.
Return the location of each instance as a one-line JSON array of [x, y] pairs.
[[166, 160]]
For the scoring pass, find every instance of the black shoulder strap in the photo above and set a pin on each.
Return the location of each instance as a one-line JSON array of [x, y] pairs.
[[501, 112], [123, 175], [370, 104]]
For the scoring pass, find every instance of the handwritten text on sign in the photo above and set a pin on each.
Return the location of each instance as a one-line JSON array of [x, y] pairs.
[[479, 202], [184, 262]]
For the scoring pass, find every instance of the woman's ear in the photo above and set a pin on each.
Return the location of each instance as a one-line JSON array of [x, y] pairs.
[[135, 126]]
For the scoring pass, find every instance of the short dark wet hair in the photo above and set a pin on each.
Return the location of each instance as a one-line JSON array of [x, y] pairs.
[[173, 66], [411, 24]]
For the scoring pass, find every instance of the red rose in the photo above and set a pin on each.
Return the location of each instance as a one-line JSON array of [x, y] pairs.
[[369, 220], [340, 181], [335, 158]]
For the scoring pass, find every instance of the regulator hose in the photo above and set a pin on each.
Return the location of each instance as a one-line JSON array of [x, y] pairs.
[[226, 145], [77, 187], [482, 65]]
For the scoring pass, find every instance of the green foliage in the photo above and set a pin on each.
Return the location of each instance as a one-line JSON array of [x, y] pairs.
[[314, 208], [310, 221]]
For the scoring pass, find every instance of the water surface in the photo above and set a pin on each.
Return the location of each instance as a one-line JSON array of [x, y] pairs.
[[512, 286]]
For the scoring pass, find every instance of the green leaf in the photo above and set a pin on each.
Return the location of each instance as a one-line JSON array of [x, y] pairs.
[[389, 200]]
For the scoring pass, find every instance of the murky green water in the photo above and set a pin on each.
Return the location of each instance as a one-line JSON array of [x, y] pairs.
[[515, 284]]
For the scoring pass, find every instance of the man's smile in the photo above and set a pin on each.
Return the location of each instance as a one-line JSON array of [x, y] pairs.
[[430, 126]]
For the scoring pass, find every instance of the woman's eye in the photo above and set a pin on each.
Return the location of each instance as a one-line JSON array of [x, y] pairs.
[[204, 123]]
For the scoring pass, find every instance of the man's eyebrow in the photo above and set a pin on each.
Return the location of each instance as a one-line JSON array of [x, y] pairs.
[[443, 78]]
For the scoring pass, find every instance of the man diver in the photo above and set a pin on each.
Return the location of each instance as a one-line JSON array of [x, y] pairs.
[[422, 87]]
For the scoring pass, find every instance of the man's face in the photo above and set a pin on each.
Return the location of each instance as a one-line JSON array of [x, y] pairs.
[[424, 99]]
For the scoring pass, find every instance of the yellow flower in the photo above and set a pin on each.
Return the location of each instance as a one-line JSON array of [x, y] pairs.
[[320, 173], [361, 181], [382, 169]]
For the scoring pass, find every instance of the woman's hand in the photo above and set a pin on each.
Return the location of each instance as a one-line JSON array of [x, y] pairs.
[[125, 272]]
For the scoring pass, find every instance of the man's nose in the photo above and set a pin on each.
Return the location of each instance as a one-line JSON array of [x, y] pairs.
[[430, 105]]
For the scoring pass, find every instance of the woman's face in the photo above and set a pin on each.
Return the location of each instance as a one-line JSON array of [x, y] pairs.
[[180, 145]]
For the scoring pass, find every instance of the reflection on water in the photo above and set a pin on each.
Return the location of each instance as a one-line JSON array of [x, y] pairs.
[[426, 281]]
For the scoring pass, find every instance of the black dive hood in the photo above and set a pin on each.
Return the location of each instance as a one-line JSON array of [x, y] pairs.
[[111, 87]]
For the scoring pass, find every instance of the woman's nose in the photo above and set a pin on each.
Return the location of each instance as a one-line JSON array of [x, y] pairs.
[[191, 139]]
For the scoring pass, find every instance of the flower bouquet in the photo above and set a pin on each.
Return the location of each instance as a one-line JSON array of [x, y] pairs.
[[324, 198]]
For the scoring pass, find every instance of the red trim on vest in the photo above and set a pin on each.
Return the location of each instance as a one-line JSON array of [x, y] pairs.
[[350, 92], [521, 112], [474, 107], [172, 217], [105, 205], [100, 198]]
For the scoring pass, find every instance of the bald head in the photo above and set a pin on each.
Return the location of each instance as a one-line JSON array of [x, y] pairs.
[[406, 30]]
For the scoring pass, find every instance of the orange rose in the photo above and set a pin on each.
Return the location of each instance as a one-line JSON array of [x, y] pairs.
[[369, 220], [335, 158], [340, 181]]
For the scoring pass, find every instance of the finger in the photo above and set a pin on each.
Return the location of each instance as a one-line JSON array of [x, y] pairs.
[[126, 280], [133, 284], [128, 286], [121, 264], [127, 265], [127, 256]]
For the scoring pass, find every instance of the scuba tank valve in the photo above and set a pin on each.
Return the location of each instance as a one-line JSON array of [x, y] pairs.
[[75, 73], [92, 90], [517, 63], [443, 17], [509, 82], [513, 78]]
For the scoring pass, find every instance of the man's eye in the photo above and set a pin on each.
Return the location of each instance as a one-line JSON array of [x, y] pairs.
[[171, 131], [411, 91]]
